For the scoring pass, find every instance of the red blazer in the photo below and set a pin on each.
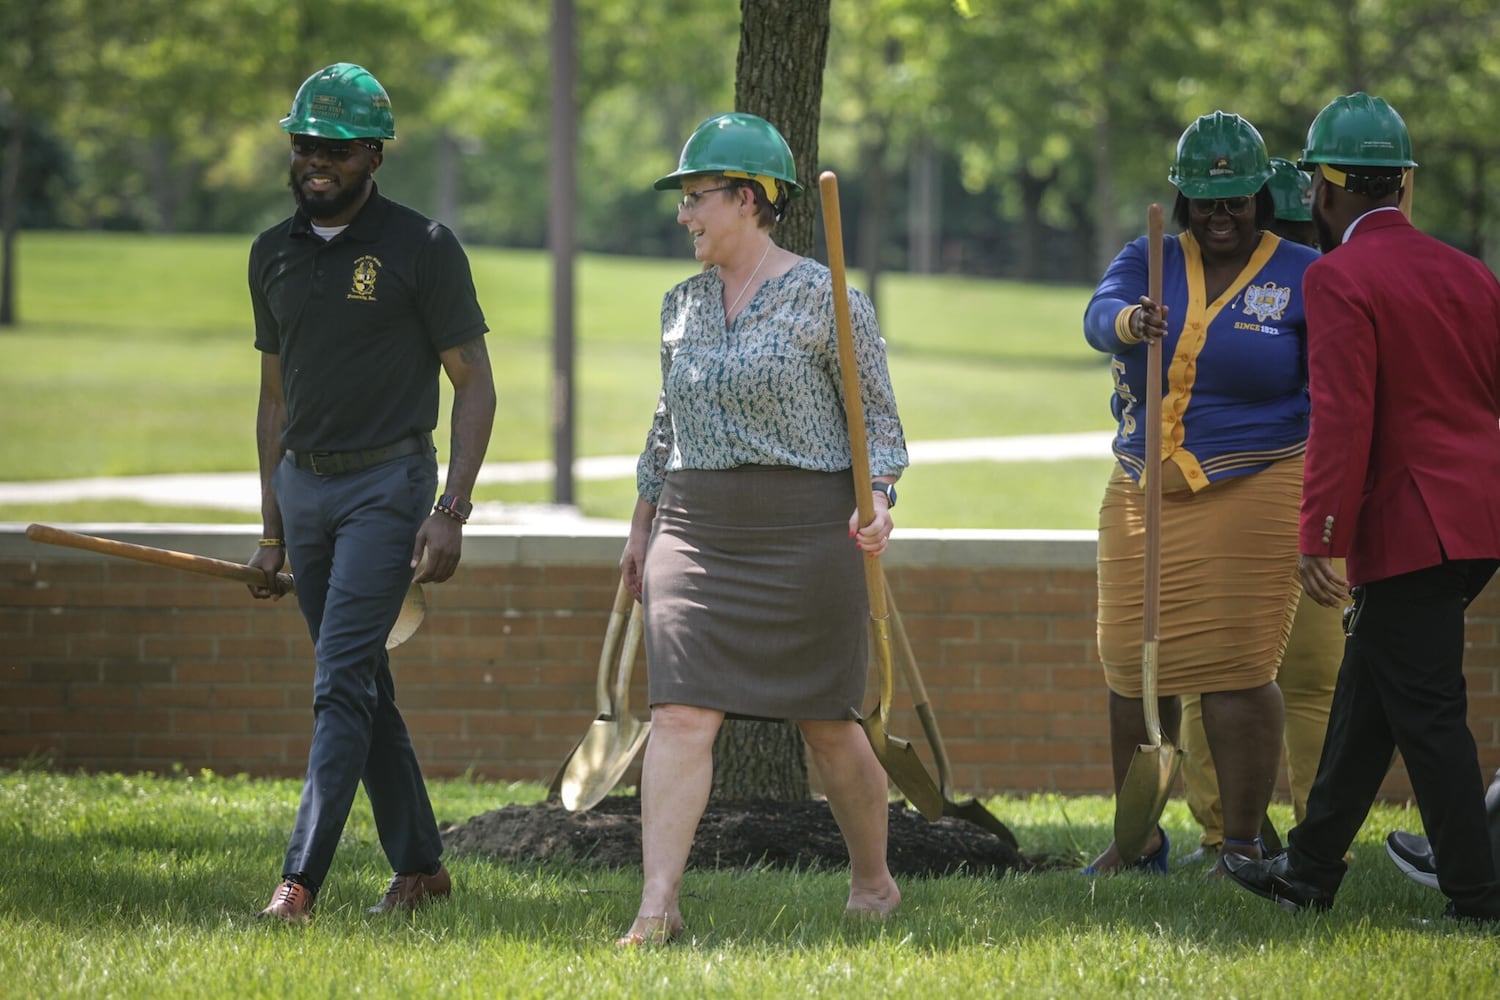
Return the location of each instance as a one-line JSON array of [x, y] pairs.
[[1403, 352]]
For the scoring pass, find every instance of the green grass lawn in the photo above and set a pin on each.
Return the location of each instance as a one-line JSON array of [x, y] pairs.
[[145, 886], [135, 356]]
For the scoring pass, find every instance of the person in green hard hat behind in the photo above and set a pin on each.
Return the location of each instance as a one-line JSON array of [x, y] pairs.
[[359, 302], [745, 543], [1234, 424], [1291, 190], [1403, 481]]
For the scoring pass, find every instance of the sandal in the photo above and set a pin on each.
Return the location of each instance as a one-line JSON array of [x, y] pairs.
[[1154, 863]]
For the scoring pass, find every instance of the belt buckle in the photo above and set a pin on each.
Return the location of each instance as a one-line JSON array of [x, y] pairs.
[[312, 462]]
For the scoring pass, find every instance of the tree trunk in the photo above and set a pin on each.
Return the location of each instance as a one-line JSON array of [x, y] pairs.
[[447, 179], [163, 183], [872, 225], [1030, 251], [1476, 204], [1107, 240], [779, 76], [925, 213], [10, 194]]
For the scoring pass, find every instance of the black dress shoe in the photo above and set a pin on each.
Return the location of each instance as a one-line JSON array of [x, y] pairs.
[[1275, 879]]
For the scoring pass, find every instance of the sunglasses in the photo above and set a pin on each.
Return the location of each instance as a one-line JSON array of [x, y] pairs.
[[340, 149], [1233, 206]]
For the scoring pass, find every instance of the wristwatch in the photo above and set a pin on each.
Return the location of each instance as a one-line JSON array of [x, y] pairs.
[[889, 489], [455, 507]]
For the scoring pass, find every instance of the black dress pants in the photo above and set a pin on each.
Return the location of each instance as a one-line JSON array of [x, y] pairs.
[[1401, 686]]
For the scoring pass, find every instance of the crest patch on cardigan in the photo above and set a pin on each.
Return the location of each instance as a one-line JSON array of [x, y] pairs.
[[1267, 301]]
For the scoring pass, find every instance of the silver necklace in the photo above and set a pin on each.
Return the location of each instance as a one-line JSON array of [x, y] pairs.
[[730, 311]]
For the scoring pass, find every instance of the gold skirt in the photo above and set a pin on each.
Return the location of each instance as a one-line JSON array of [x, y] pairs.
[[1229, 585]]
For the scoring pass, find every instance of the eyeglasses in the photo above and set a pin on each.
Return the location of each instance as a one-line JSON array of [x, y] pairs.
[[690, 199], [1234, 206], [311, 145]]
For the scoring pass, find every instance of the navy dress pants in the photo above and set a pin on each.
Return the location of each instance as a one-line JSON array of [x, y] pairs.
[[1401, 686], [349, 543]]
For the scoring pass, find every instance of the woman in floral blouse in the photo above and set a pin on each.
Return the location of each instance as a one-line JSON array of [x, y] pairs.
[[743, 546]]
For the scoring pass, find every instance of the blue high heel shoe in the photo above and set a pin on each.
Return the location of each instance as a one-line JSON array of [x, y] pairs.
[[1154, 863]]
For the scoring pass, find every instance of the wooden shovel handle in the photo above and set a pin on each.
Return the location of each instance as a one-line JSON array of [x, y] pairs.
[[222, 568], [1151, 599], [854, 407], [1151, 611]]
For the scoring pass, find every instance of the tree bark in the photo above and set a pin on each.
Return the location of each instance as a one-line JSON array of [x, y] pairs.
[[778, 76], [10, 196], [1030, 251], [925, 209], [872, 225]]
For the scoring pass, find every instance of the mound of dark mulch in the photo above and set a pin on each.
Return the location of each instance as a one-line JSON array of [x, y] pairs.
[[733, 835]]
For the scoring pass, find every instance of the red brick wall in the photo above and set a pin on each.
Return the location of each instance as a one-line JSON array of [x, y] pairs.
[[113, 665]]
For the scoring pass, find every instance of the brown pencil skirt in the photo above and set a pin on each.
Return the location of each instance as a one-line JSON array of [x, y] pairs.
[[1229, 584], [755, 600]]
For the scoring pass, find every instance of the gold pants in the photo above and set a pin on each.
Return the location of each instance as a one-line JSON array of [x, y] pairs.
[[1307, 675]]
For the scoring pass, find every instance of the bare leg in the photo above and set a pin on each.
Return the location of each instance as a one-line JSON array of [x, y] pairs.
[[675, 781], [1127, 730], [1244, 732], [857, 793]]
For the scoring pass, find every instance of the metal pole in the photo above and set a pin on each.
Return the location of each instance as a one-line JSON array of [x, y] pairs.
[[560, 232]]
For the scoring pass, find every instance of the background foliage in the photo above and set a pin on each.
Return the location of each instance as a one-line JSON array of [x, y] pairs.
[[976, 136]]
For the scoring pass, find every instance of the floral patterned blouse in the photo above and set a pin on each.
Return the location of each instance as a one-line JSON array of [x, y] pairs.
[[766, 390]]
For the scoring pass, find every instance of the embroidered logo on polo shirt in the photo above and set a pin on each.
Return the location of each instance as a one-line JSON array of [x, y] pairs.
[[1267, 301], [362, 286]]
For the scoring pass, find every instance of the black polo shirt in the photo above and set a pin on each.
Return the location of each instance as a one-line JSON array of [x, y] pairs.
[[359, 322]]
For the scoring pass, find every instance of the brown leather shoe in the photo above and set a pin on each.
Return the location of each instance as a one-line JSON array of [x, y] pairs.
[[413, 890], [292, 903]]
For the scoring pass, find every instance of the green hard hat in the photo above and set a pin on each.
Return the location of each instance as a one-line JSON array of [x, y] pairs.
[[1291, 189], [342, 101], [1220, 156], [1358, 130], [736, 144]]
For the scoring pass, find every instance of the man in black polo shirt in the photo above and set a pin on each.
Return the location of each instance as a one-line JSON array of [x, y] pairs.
[[358, 303]]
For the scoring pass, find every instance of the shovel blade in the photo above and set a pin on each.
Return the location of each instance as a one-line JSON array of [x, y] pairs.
[[413, 611], [601, 759], [973, 811], [554, 787], [1143, 796], [905, 769]]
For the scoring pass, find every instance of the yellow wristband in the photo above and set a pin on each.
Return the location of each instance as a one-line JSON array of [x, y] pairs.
[[1122, 326], [272, 543]]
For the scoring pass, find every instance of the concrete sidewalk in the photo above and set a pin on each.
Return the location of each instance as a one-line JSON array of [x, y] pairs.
[[240, 491]]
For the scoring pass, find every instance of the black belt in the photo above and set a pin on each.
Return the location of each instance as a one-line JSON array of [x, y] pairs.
[[337, 463]]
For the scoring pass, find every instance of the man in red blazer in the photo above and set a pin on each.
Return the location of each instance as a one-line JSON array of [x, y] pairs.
[[1403, 480]]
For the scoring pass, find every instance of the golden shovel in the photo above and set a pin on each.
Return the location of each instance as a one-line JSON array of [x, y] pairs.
[[618, 616], [1153, 769], [898, 758], [611, 743], [970, 810]]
